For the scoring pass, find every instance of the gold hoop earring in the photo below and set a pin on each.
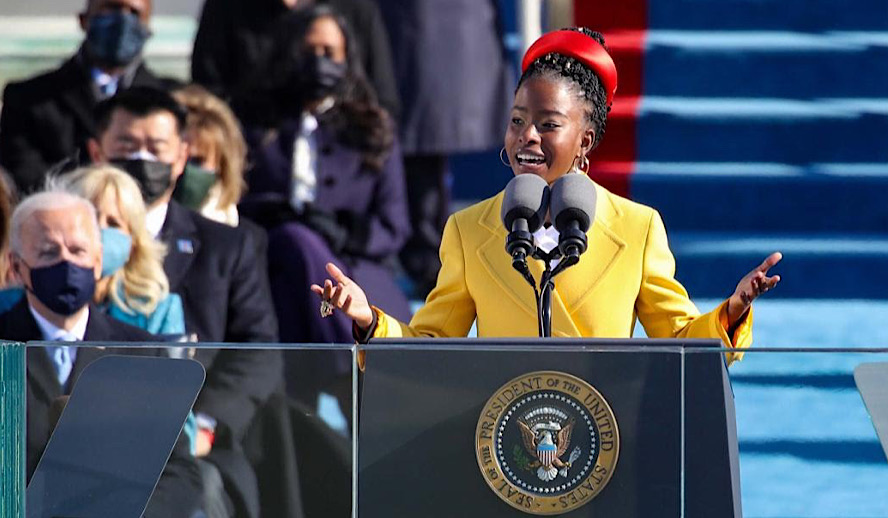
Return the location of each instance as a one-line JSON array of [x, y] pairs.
[[504, 159], [583, 166], [575, 167]]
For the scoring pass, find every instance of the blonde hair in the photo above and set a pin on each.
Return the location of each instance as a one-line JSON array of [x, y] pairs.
[[144, 282], [7, 203], [212, 119]]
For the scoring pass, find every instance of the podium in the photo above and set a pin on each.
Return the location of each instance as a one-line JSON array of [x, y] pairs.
[[578, 428], [800, 416]]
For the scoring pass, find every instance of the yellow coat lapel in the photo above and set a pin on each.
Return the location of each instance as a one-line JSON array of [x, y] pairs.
[[576, 284], [572, 287], [493, 257]]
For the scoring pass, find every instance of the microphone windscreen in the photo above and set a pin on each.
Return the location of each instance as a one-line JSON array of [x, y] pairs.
[[526, 197], [573, 198]]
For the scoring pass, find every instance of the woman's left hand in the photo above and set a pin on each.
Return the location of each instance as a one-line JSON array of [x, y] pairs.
[[750, 287]]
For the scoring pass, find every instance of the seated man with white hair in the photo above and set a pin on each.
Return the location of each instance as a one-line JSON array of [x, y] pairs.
[[56, 254]]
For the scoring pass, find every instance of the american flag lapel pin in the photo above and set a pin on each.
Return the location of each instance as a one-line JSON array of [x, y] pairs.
[[185, 246]]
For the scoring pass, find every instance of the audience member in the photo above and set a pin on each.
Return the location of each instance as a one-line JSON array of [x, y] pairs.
[[48, 119], [214, 268], [7, 202], [57, 256], [213, 180], [456, 93], [133, 287], [235, 39], [328, 183]]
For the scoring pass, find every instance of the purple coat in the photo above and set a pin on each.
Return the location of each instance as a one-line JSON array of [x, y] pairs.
[[297, 253], [344, 184]]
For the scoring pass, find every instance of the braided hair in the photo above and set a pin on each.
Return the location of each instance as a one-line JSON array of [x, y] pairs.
[[582, 81]]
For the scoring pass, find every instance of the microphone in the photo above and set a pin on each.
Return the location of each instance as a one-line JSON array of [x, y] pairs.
[[524, 210], [573, 207]]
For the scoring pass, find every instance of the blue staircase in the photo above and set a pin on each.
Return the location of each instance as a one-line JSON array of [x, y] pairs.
[[813, 16], [764, 126]]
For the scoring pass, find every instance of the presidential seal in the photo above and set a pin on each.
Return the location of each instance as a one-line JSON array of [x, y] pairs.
[[547, 442]]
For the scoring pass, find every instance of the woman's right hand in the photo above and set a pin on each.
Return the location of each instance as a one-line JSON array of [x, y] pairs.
[[346, 296]]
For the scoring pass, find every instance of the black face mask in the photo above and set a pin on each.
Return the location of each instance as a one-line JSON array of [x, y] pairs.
[[116, 39], [63, 287], [319, 77], [154, 178]]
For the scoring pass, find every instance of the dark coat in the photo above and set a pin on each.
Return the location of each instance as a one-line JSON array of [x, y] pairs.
[[234, 42], [48, 118], [373, 204], [179, 490], [220, 273], [359, 221], [454, 80]]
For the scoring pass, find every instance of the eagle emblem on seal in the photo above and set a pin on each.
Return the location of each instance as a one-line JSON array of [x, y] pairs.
[[548, 441]]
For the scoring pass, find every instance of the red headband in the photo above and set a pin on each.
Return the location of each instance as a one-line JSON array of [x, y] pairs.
[[578, 46]]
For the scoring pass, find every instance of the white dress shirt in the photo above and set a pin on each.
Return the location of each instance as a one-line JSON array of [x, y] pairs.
[[52, 333], [154, 219], [106, 84], [304, 183], [546, 238], [305, 164]]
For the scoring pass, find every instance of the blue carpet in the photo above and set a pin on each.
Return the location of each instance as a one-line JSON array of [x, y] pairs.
[[734, 130], [779, 15], [786, 65], [814, 265], [807, 445]]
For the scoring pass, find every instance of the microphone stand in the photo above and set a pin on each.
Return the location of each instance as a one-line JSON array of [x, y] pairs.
[[521, 266], [543, 295], [547, 284]]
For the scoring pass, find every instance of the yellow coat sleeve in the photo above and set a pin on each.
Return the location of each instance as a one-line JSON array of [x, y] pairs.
[[663, 305], [449, 309]]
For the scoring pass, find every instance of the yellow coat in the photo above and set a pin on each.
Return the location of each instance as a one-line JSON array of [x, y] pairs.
[[628, 272]]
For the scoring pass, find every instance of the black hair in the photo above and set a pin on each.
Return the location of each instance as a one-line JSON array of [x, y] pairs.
[[589, 87], [140, 101], [356, 118]]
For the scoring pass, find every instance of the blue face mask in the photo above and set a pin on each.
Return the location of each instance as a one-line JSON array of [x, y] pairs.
[[63, 287], [116, 247], [116, 39]]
